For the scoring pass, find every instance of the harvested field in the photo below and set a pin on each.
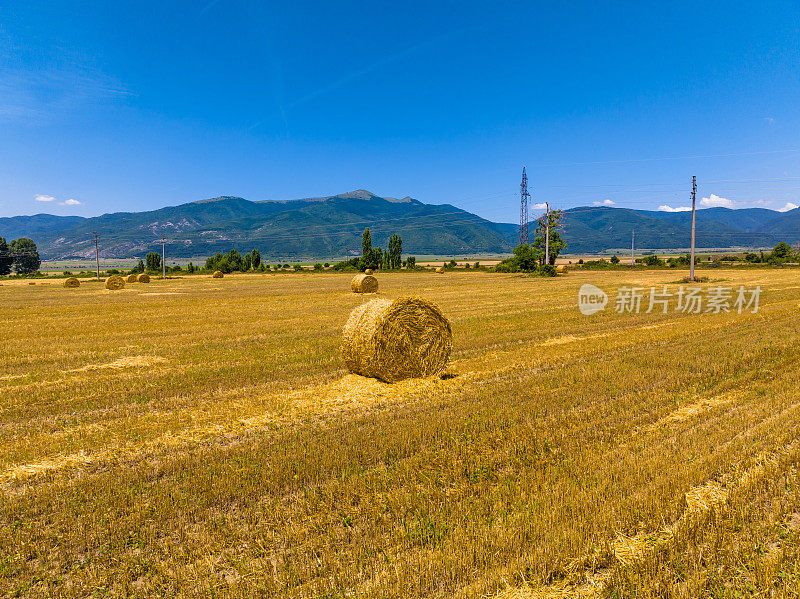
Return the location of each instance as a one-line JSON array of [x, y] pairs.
[[155, 444]]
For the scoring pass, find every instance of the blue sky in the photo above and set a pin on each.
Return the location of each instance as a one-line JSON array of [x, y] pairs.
[[131, 106]]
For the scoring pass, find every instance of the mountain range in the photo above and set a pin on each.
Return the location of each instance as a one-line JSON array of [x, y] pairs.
[[332, 226]]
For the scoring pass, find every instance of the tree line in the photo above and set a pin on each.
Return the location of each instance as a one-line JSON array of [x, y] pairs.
[[21, 256], [378, 258]]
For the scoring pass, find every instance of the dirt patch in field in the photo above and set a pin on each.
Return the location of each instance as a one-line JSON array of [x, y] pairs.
[[126, 362]]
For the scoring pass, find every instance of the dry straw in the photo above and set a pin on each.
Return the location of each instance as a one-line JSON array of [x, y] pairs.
[[364, 283], [132, 278], [368, 271], [562, 268], [217, 274], [115, 282], [143, 278], [72, 282], [393, 340], [440, 270]]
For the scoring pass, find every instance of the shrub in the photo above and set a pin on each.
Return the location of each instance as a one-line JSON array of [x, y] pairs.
[[476, 266], [547, 270], [317, 266], [347, 265], [651, 260], [297, 267], [411, 262], [614, 260]]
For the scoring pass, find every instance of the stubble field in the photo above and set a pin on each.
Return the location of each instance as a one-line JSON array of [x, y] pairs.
[[199, 437]]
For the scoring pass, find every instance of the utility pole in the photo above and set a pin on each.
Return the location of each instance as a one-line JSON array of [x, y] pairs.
[[97, 255], [633, 237], [547, 233], [163, 257], [694, 197]]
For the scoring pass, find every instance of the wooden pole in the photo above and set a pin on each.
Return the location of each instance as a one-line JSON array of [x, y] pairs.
[[547, 233], [691, 258], [163, 257], [97, 255], [633, 237]]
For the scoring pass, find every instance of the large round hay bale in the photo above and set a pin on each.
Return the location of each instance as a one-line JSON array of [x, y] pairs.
[[143, 278], [115, 282], [217, 274], [392, 340], [562, 269], [132, 278], [440, 270], [364, 283], [368, 271], [72, 282]]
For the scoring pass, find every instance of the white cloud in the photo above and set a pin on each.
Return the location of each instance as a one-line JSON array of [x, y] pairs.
[[787, 207], [605, 202], [539, 206], [71, 202], [42, 198], [769, 120], [714, 201], [676, 209]]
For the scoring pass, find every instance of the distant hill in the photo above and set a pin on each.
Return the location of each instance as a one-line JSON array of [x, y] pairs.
[[331, 226], [591, 229], [308, 228]]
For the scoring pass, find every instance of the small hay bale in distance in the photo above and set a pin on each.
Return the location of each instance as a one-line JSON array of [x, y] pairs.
[[562, 269], [217, 274], [440, 270], [394, 340], [364, 283], [115, 282], [72, 283], [143, 278], [368, 271], [132, 278]]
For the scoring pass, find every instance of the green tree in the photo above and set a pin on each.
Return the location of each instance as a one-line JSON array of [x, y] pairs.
[[6, 258], [366, 243], [255, 256], [614, 259], [373, 259], [411, 262], [395, 251], [234, 261], [782, 252], [26, 256], [557, 243], [526, 258], [190, 268], [213, 261], [247, 262], [153, 261]]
